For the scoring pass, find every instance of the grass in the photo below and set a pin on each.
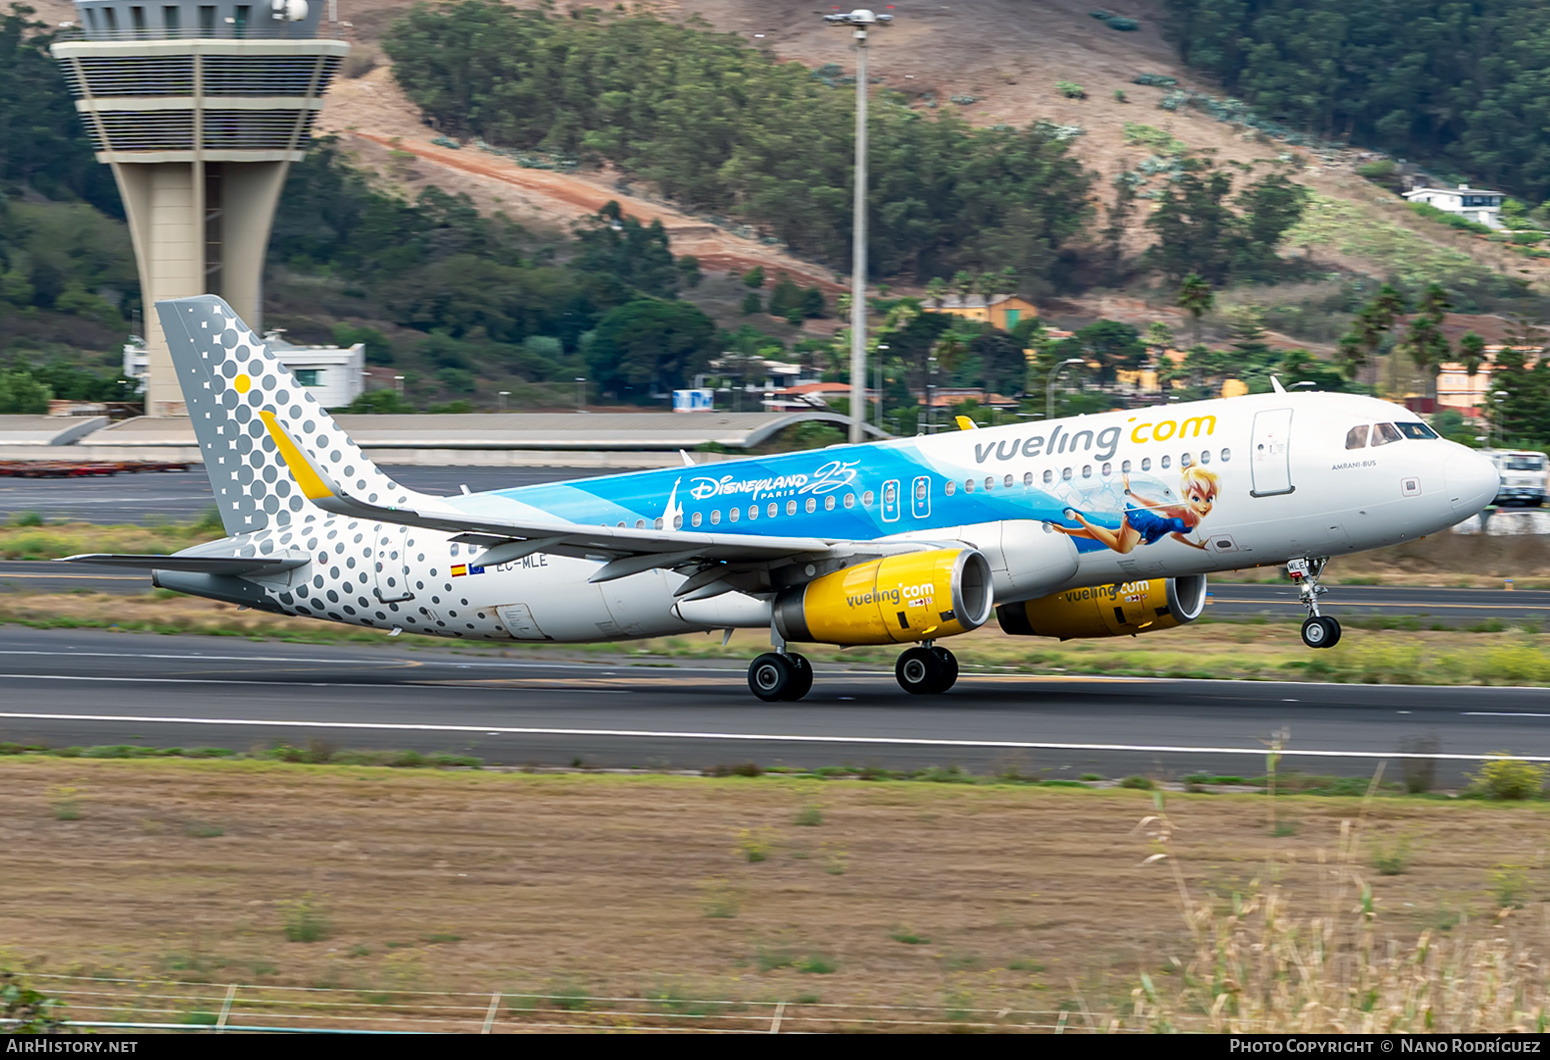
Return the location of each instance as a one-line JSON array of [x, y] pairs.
[[304, 920], [588, 878]]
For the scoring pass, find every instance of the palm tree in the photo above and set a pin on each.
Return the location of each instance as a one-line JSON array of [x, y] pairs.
[[1472, 353], [1196, 297], [936, 290]]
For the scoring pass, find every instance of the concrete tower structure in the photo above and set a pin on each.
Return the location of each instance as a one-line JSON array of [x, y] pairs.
[[200, 108]]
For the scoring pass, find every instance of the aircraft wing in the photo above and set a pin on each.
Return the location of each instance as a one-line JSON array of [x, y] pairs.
[[627, 550]]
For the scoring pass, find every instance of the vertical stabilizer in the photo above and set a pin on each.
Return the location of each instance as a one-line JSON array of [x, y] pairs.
[[229, 378]]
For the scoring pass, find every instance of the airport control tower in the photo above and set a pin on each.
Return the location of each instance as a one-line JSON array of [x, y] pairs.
[[200, 109]]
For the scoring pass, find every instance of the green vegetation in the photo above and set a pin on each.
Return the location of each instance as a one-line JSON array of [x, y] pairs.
[[304, 920], [26, 1010], [723, 128], [1200, 234], [1507, 778], [1398, 75]]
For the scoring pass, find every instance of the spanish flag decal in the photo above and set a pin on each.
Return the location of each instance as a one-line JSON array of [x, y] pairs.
[[460, 570]]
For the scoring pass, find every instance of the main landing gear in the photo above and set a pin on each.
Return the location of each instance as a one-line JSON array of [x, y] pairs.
[[926, 670], [1319, 631], [784, 676], [778, 676]]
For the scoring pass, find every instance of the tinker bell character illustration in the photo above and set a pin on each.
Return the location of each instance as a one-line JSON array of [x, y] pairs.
[[1145, 522]]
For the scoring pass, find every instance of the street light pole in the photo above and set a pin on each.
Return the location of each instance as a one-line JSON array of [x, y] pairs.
[[581, 394], [1049, 390], [860, 20]]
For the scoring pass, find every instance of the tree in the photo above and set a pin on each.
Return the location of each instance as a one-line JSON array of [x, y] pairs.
[[1196, 298], [1196, 231], [1113, 345], [1376, 319], [936, 291], [1425, 342], [754, 277], [22, 395], [1472, 353], [650, 346]]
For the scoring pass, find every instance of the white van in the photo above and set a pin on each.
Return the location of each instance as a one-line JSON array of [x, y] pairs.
[[1523, 476]]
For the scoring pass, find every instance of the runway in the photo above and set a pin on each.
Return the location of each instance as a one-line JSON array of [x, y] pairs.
[[184, 496], [85, 688]]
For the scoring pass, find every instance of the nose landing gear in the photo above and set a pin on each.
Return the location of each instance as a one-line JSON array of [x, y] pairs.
[[1319, 631]]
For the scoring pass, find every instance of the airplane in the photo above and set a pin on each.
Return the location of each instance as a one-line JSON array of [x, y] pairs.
[[1089, 526]]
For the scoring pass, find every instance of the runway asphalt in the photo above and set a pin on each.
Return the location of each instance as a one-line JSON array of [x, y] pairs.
[[184, 496], [74, 687], [1426, 607]]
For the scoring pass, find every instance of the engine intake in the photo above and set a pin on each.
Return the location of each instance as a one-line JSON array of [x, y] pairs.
[[1121, 610], [915, 596]]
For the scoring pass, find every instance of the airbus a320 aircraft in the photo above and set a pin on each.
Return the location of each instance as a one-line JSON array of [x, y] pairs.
[[1092, 526]]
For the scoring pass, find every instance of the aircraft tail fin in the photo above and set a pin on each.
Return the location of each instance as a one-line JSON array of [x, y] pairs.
[[235, 388]]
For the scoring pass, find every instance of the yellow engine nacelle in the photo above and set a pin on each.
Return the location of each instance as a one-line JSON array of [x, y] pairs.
[[916, 596], [1121, 610]]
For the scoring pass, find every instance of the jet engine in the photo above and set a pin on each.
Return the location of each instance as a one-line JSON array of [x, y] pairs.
[[1121, 610], [910, 597]]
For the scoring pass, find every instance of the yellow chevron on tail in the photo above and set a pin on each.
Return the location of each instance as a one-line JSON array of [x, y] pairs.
[[311, 481]]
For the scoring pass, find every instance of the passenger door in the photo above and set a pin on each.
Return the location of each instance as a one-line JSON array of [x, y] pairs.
[[1270, 454]]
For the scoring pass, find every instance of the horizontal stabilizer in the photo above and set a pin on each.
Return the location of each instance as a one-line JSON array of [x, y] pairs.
[[192, 564]]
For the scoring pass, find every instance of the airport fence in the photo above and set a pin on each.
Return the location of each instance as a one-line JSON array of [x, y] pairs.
[[107, 1005]]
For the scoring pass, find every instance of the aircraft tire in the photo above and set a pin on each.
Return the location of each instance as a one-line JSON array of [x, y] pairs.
[[802, 683], [949, 667], [771, 677], [920, 672], [1320, 632]]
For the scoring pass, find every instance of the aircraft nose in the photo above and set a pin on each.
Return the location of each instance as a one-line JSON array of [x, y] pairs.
[[1473, 481]]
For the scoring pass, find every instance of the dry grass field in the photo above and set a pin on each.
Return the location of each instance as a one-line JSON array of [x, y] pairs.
[[745, 890]]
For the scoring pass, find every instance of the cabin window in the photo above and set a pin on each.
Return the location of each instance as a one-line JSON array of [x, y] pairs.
[[1356, 437], [715, 517], [1008, 481], [1108, 469], [1087, 471], [951, 488], [1416, 430], [850, 500], [774, 509], [1205, 456], [734, 514], [1165, 463], [867, 498], [695, 521], [1185, 461], [753, 511], [656, 524], [1065, 475], [968, 485], [828, 503], [640, 524], [1124, 467], [791, 507], [812, 506], [678, 522], [1049, 477], [1384, 433], [1027, 478], [1226, 455], [990, 483], [1146, 463]]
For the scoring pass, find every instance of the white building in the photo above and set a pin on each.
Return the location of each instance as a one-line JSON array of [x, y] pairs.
[[335, 375], [1472, 204]]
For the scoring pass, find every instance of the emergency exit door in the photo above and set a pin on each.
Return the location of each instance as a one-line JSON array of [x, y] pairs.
[[1270, 453]]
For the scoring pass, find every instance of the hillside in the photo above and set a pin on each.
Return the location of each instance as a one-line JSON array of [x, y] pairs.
[[1007, 55]]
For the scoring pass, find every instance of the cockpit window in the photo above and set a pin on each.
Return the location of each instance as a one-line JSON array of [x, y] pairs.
[[1356, 437], [1384, 433], [1416, 430]]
